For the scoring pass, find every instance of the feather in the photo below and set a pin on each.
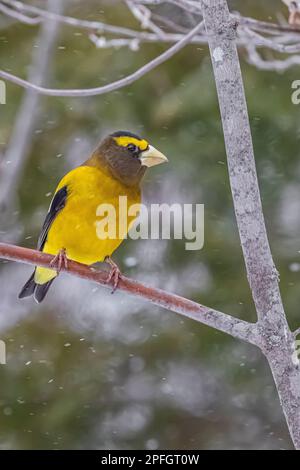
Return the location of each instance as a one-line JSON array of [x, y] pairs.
[[29, 288], [41, 290], [57, 204]]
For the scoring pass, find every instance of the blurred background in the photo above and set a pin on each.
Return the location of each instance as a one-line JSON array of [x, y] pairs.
[[89, 370]]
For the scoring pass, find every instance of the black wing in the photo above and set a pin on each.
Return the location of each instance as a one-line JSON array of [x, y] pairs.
[[57, 204]]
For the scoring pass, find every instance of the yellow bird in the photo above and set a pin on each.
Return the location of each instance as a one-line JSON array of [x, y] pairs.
[[114, 169]]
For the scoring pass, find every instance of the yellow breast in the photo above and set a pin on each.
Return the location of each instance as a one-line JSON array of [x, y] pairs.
[[80, 226]]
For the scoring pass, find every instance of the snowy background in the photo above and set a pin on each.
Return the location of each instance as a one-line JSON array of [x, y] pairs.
[[90, 370]]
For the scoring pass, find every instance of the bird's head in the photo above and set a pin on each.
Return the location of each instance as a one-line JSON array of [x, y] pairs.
[[127, 156]]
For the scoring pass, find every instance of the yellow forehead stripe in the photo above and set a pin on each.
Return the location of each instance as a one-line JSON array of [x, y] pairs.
[[126, 140]]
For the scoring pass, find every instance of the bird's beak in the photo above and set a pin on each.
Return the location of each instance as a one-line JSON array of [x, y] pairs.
[[152, 157]]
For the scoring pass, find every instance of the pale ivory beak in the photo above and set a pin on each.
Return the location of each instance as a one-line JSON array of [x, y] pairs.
[[152, 157]]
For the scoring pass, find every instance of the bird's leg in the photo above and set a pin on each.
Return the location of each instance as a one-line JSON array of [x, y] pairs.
[[115, 273], [60, 260]]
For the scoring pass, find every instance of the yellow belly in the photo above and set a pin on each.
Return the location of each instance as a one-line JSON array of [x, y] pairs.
[[76, 227]]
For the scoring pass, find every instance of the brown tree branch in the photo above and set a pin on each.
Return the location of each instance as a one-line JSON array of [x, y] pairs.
[[226, 323]]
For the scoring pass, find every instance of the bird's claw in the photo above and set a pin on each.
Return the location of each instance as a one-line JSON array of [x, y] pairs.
[[60, 260], [114, 275]]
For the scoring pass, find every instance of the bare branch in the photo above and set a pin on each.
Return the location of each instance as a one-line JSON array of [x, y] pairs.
[[296, 333], [18, 16], [281, 38], [188, 5], [261, 41], [253, 40], [227, 324], [277, 339], [143, 15], [102, 42], [255, 59], [265, 26], [111, 86], [169, 23], [101, 27], [96, 26], [18, 147]]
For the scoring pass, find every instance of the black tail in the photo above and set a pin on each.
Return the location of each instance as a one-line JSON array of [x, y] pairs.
[[28, 288], [41, 290], [37, 290]]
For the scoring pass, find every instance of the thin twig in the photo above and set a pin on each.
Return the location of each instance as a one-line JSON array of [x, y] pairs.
[[270, 43], [97, 26], [188, 5], [169, 23], [110, 86], [103, 42], [267, 26], [143, 15], [281, 38], [255, 59], [18, 16], [296, 332]]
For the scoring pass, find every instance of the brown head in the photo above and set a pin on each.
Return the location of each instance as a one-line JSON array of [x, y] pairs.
[[126, 156]]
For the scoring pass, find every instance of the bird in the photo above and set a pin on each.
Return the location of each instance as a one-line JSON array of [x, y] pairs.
[[294, 10], [115, 168]]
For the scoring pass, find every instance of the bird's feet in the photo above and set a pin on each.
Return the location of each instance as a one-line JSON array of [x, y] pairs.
[[60, 260], [114, 275]]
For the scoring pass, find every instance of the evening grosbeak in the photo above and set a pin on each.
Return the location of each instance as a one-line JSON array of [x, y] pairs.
[[294, 9], [114, 169]]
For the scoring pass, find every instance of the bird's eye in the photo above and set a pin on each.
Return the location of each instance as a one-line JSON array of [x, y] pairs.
[[132, 148]]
